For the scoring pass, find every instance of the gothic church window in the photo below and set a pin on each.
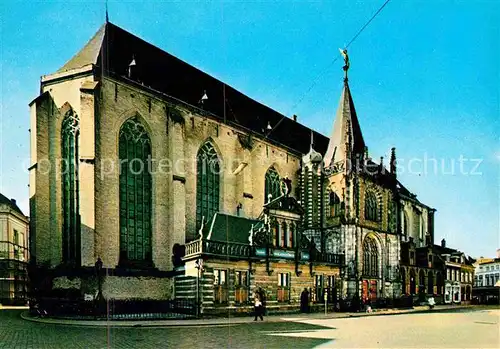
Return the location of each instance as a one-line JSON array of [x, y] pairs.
[[70, 134], [135, 192], [371, 210], [334, 203], [370, 258], [418, 226], [391, 216], [207, 184], [272, 184], [406, 226]]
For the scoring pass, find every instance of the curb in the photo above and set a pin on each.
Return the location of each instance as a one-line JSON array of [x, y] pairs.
[[147, 323], [225, 321]]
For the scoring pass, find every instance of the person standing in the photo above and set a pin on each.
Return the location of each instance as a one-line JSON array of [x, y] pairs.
[[304, 301], [258, 308]]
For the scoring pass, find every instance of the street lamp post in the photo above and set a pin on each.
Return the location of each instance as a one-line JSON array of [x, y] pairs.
[[326, 300], [199, 267], [98, 267]]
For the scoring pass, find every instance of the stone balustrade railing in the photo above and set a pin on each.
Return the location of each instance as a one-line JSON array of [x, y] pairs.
[[238, 250]]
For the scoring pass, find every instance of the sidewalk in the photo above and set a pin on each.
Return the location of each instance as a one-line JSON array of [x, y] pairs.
[[236, 320], [13, 307]]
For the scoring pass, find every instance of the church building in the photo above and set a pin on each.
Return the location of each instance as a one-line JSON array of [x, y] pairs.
[[175, 185]]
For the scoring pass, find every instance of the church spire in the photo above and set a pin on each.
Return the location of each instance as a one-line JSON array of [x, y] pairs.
[[107, 15], [346, 124]]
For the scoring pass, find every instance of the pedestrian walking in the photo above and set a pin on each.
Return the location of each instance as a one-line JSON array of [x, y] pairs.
[[258, 308]]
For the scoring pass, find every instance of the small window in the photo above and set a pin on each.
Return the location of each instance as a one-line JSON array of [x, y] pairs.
[[241, 290], [318, 288], [283, 280], [412, 257], [220, 287], [16, 237], [283, 287], [241, 279], [220, 277]]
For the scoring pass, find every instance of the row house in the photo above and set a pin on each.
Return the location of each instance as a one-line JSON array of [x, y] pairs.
[[14, 256]]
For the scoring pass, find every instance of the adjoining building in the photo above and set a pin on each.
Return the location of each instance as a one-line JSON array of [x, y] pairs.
[[459, 274], [422, 271], [487, 280], [150, 179], [13, 253]]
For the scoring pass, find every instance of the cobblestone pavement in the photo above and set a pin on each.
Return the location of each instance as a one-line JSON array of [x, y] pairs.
[[18, 333], [459, 328]]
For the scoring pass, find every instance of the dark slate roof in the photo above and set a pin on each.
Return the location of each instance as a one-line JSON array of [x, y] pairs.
[[228, 228], [444, 250], [6, 201], [447, 250], [88, 54], [169, 75]]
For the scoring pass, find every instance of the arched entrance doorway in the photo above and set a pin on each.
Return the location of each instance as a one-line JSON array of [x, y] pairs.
[[430, 283], [421, 282], [370, 269], [404, 289], [468, 293], [413, 282], [439, 283]]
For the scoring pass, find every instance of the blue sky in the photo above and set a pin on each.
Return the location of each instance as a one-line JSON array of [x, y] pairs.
[[424, 76]]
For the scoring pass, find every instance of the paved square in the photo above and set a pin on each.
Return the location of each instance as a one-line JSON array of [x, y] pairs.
[[446, 329]]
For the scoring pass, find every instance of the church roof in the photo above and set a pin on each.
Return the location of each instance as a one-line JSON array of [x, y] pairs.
[[228, 228], [112, 49], [345, 119], [10, 203], [88, 54]]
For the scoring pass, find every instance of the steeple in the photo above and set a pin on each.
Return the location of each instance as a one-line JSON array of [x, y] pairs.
[[346, 123]]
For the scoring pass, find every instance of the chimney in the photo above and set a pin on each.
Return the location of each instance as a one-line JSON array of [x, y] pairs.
[[13, 201], [443, 243], [294, 117]]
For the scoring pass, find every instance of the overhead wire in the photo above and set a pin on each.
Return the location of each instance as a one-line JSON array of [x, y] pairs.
[[318, 77]]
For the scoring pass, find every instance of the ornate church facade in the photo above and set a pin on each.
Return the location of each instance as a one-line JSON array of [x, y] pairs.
[[150, 179]]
